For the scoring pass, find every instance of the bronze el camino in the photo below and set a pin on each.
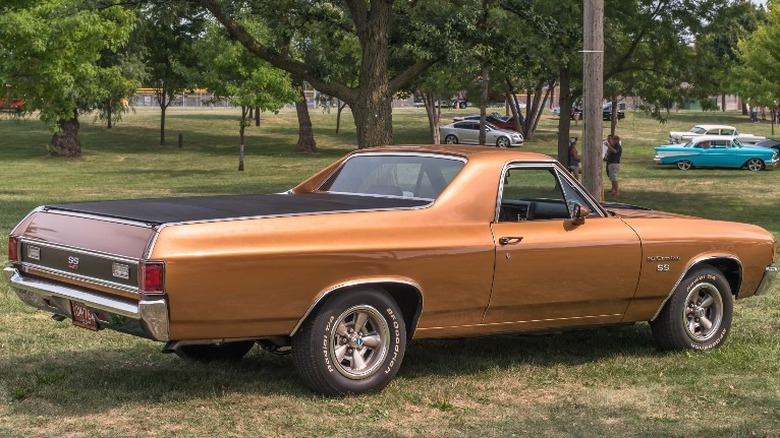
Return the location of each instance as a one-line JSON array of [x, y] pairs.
[[383, 246]]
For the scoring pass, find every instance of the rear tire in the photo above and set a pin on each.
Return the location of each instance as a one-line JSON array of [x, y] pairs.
[[451, 139], [228, 352], [352, 344], [698, 314]]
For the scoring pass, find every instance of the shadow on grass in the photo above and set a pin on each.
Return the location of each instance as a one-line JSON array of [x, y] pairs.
[[472, 355], [89, 381]]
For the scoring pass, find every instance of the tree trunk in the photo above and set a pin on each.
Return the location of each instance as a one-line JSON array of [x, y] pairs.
[[108, 112], [241, 130], [434, 115], [614, 118], [564, 123], [162, 124], [342, 105], [483, 101], [257, 116], [306, 142], [723, 103], [66, 142], [164, 101]]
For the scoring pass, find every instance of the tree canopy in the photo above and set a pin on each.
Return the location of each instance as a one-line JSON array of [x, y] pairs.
[[50, 51]]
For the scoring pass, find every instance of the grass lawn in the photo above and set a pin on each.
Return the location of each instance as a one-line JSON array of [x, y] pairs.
[[56, 379]]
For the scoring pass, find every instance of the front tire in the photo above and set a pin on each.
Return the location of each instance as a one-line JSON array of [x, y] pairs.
[[354, 343], [698, 314], [755, 164], [503, 142], [228, 352], [684, 165]]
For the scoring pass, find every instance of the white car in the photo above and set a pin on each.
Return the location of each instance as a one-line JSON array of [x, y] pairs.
[[467, 132], [676, 137]]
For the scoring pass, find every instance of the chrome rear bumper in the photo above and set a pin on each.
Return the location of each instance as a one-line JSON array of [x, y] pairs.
[[145, 318]]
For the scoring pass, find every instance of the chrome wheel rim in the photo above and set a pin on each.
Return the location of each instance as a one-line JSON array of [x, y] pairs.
[[359, 342], [703, 312], [450, 139], [684, 165], [503, 142], [755, 164]]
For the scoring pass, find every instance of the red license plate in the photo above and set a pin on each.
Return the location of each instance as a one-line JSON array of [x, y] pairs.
[[82, 316]]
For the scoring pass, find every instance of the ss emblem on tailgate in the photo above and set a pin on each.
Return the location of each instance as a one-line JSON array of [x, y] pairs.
[[73, 262]]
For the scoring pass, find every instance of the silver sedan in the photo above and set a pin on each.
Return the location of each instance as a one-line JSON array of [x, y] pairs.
[[467, 132]]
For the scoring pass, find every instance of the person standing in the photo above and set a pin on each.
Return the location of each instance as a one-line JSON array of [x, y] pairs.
[[614, 152], [574, 158]]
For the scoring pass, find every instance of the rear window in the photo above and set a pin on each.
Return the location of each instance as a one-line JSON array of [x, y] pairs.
[[412, 176]]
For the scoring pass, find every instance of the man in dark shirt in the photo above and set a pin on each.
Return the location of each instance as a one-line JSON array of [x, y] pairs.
[[614, 151]]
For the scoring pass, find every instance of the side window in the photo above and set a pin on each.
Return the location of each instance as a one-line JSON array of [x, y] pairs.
[[713, 132], [728, 132], [720, 144], [532, 194], [538, 193]]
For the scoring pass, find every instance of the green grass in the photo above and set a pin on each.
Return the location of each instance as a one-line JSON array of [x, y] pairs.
[[59, 380]]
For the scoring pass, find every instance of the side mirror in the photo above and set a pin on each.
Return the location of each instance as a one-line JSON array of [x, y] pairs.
[[579, 214]]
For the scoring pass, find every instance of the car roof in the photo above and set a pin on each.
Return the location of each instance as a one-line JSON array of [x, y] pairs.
[[715, 127], [468, 152], [702, 138]]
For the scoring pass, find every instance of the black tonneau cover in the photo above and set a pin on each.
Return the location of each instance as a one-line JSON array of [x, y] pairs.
[[202, 208]]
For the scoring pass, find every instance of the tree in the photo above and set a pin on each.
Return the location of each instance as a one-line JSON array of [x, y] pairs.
[[229, 71], [759, 76], [370, 23], [50, 51], [170, 31]]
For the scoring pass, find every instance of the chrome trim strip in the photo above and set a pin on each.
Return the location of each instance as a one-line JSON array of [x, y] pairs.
[[353, 283], [274, 216], [687, 269], [84, 251], [769, 279], [55, 210], [147, 318], [33, 269]]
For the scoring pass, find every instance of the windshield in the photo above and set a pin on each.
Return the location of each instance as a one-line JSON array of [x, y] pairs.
[[414, 176], [698, 130]]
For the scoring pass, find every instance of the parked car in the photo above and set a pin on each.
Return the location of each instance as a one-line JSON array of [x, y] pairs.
[[384, 246], [467, 132], [496, 119], [10, 104], [676, 137], [716, 151], [606, 112], [769, 143]]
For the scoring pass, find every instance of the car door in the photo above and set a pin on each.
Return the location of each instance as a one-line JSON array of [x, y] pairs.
[[470, 132], [550, 271], [721, 153]]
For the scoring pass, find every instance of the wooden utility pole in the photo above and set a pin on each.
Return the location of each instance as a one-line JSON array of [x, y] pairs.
[[593, 94]]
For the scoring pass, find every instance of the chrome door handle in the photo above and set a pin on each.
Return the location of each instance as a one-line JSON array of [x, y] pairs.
[[509, 240]]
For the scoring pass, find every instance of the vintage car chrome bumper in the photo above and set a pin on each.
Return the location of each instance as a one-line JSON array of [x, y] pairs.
[[145, 318], [770, 279]]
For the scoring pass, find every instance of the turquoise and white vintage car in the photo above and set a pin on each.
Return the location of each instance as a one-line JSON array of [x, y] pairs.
[[716, 151]]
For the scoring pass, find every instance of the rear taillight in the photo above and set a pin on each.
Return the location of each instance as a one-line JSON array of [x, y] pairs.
[[151, 277], [13, 249]]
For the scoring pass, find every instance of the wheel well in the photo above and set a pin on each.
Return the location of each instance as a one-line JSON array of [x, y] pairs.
[[407, 296], [730, 268]]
